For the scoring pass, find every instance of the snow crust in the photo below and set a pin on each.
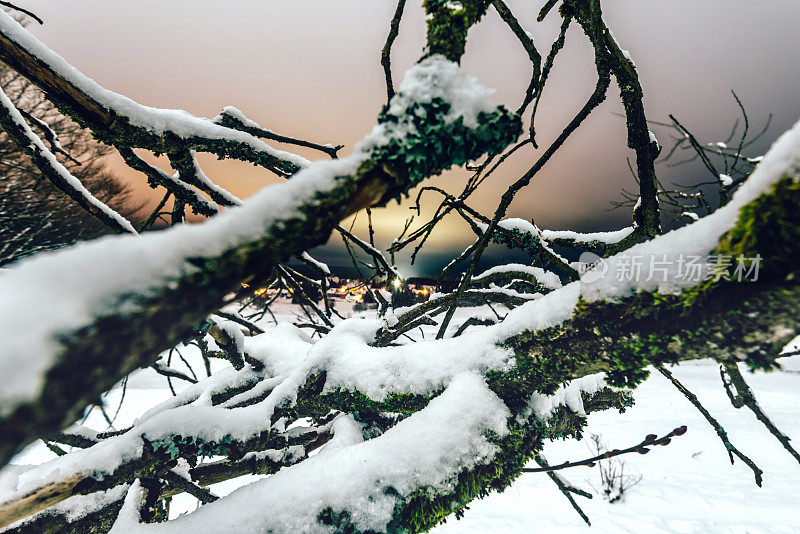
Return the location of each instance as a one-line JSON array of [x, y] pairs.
[[346, 432], [320, 265], [514, 223], [547, 279], [377, 372], [603, 237], [438, 77], [234, 331], [434, 77], [128, 517], [569, 395], [428, 449], [91, 278], [240, 116], [79, 506]]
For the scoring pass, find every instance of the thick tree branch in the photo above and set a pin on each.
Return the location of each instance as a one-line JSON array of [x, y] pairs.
[[118, 120], [132, 328]]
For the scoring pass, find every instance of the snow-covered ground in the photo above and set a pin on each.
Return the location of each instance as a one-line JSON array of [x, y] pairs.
[[687, 486]]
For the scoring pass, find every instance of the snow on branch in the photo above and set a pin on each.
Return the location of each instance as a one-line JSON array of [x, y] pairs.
[[117, 119], [469, 417], [446, 453], [189, 171], [381, 374], [182, 190], [116, 288], [521, 234], [50, 135], [427, 450], [598, 242], [232, 117], [17, 129], [536, 276]]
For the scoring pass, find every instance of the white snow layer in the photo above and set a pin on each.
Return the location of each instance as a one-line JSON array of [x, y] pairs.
[[604, 237], [426, 450], [56, 165], [432, 78], [514, 223], [79, 506], [547, 279], [90, 278], [318, 264], [128, 517], [569, 395]]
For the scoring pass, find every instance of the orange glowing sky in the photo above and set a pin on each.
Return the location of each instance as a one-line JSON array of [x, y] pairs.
[[310, 68]]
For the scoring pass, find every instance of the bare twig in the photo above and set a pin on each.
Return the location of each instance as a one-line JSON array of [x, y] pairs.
[[745, 397], [642, 448], [386, 53], [22, 10], [723, 435], [565, 489]]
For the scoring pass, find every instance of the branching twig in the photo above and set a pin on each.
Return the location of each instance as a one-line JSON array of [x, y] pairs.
[[642, 448], [745, 397], [530, 48], [565, 489], [723, 435]]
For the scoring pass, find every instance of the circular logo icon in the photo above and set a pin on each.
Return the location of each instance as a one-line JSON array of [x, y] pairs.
[[591, 267]]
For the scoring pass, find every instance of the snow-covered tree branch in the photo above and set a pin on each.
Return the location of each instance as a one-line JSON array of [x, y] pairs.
[[364, 428]]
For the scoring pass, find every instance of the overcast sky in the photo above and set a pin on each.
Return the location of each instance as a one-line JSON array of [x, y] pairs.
[[310, 68]]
